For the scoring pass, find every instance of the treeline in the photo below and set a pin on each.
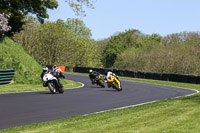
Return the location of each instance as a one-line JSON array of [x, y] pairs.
[[69, 43], [62, 42], [132, 50]]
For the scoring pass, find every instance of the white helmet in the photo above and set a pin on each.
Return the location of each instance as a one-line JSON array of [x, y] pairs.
[[45, 69], [90, 71]]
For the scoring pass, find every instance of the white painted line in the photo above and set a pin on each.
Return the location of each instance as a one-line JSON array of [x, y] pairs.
[[82, 85]]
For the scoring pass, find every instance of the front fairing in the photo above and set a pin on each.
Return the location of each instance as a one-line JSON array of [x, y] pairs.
[[48, 77]]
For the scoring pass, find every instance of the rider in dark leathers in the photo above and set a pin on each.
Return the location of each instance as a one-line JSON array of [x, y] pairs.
[[92, 75]]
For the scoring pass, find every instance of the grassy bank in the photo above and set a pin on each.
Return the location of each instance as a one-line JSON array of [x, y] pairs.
[[13, 56], [171, 115]]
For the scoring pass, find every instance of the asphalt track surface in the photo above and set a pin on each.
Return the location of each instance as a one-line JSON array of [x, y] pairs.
[[18, 109]]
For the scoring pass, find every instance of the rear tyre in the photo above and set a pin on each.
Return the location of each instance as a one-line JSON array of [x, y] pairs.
[[51, 87]]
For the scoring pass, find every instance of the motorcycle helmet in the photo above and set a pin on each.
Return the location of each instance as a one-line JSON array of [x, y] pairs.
[[90, 71], [58, 70], [45, 69], [107, 70], [54, 67]]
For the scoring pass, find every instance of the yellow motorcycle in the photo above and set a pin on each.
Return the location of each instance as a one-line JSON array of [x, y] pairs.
[[114, 82]]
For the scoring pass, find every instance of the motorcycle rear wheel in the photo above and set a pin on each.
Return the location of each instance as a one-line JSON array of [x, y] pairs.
[[52, 88]]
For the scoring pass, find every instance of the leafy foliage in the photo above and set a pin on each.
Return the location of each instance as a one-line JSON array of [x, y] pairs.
[[117, 44], [77, 5], [63, 43], [175, 53], [18, 9]]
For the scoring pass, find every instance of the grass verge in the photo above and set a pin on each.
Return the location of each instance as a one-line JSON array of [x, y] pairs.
[[170, 115], [16, 87]]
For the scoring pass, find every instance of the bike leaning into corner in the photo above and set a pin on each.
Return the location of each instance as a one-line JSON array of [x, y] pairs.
[[96, 78], [113, 81], [51, 81], [99, 80]]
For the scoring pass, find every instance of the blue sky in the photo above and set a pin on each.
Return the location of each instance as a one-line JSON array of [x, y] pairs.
[[148, 16]]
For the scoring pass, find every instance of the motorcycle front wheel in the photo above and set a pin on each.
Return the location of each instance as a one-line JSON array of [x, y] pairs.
[[116, 86], [51, 87], [61, 90], [101, 83]]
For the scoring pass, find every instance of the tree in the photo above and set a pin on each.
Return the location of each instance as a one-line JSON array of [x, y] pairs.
[[84, 49], [29, 38], [18, 9], [59, 42], [78, 28], [175, 53], [77, 5], [117, 44], [4, 27], [54, 43]]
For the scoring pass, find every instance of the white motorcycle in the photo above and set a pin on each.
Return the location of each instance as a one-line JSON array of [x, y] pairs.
[[53, 83]]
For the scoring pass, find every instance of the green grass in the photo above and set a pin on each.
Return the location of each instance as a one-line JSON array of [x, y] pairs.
[[13, 56], [177, 115], [17, 87]]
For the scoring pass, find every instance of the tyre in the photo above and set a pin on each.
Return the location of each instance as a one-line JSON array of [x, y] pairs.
[[51, 87], [101, 83], [119, 89], [116, 86], [61, 90]]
